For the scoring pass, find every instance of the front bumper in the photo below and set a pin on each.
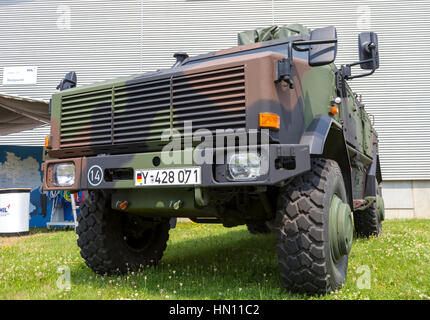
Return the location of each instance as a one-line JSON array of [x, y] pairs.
[[212, 174]]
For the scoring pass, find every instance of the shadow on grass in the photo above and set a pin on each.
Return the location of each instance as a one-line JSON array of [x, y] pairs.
[[214, 266], [40, 230], [10, 240], [236, 245]]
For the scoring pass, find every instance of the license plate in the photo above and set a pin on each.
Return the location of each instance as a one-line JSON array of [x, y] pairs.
[[168, 177]]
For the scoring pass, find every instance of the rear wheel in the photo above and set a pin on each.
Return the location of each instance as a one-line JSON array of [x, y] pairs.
[[116, 242], [368, 222], [315, 230]]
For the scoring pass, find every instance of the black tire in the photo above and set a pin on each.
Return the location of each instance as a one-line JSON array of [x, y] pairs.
[[114, 242], [368, 222], [303, 239], [258, 228]]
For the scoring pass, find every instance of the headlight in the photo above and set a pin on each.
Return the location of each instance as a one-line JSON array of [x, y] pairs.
[[64, 174], [244, 166]]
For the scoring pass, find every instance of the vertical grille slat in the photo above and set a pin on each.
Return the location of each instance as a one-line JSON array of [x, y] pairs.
[[140, 112]]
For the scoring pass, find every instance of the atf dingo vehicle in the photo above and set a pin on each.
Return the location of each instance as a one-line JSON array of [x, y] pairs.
[[267, 134]]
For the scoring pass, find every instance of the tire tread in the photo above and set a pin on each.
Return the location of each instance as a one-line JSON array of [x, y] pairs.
[[300, 236]]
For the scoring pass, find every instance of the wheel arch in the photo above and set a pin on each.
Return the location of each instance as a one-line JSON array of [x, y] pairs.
[[325, 139], [378, 170], [374, 175]]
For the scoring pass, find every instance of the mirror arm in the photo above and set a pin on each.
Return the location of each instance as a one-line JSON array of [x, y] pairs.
[[347, 68], [310, 42], [360, 62], [285, 67], [349, 77]]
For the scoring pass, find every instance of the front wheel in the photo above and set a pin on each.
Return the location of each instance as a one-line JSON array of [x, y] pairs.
[[315, 230], [116, 242]]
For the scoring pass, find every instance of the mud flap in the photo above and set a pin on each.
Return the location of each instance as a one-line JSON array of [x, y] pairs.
[[173, 222]]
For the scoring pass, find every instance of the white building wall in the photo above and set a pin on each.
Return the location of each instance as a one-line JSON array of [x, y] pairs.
[[406, 199]]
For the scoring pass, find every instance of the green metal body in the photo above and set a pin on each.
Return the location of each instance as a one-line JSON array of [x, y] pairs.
[[118, 125]]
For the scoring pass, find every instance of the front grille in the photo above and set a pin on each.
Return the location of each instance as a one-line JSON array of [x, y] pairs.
[[141, 112], [213, 100], [86, 119]]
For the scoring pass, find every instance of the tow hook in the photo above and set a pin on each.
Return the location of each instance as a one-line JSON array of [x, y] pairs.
[[122, 205], [176, 205]]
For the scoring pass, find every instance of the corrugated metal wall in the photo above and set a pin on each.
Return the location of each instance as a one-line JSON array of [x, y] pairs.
[[97, 39], [106, 39]]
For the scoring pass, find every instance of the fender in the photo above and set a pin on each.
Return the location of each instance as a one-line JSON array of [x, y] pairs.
[[325, 138], [373, 176], [316, 134]]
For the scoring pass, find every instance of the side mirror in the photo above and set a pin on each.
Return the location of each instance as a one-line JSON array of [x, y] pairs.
[[321, 54], [69, 81], [368, 50], [180, 58]]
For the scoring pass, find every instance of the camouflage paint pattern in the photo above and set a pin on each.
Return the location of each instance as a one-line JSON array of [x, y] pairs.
[[119, 123]]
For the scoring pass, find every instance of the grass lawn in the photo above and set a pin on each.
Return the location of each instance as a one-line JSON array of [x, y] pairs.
[[213, 262]]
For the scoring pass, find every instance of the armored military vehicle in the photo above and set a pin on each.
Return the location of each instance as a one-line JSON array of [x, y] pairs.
[[267, 134]]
